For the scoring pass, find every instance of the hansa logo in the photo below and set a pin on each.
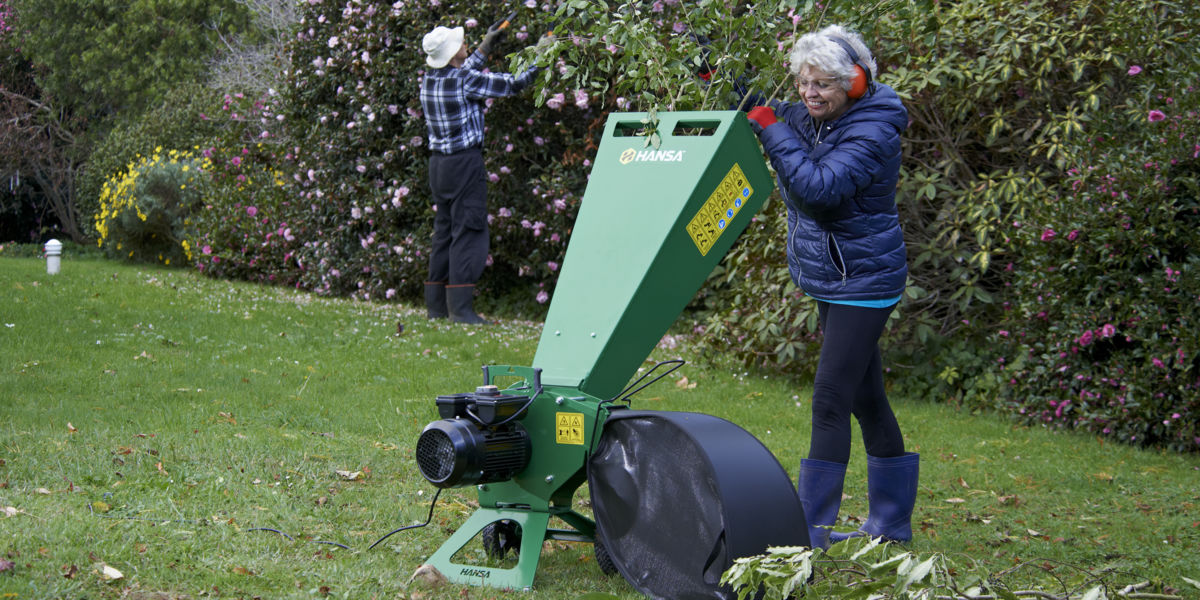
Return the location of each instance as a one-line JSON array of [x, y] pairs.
[[631, 155]]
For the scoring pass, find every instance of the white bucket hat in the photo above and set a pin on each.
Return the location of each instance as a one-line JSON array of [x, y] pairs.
[[441, 45]]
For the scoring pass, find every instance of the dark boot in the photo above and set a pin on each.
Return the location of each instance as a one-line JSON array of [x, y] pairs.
[[891, 495], [820, 490], [435, 299], [460, 299]]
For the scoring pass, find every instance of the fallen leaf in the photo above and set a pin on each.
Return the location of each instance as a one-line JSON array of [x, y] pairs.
[[70, 571], [108, 573], [428, 575], [43, 491], [71, 428], [11, 511], [158, 465], [684, 384], [348, 475], [955, 500], [243, 571], [963, 482], [7, 565]]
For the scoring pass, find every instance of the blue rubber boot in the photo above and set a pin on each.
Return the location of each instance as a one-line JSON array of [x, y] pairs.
[[891, 495], [820, 491]]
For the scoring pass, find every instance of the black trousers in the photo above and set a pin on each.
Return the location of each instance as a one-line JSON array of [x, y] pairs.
[[850, 381], [460, 227]]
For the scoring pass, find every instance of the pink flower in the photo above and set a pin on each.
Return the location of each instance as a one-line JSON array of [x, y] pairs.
[[251, 210], [1074, 234], [1158, 363], [1134, 70], [1048, 234], [581, 99], [206, 249], [1086, 338], [542, 297], [556, 101], [1108, 330], [553, 266], [1156, 115]]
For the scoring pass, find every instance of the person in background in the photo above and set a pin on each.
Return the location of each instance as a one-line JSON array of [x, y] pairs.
[[453, 95], [837, 157]]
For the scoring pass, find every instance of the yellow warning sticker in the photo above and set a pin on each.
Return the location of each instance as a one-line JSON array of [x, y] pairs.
[[568, 428], [719, 210]]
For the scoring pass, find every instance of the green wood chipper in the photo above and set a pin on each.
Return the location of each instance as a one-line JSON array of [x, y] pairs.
[[675, 496]]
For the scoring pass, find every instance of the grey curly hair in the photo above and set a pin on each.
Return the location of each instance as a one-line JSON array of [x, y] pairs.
[[820, 51]]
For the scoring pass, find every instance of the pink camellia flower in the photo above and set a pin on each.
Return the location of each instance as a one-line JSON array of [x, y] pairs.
[[1074, 234], [1155, 116], [1086, 338], [581, 99], [251, 210], [1158, 363], [542, 297], [206, 249], [1108, 330], [553, 266], [556, 101], [1048, 234], [1134, 70]]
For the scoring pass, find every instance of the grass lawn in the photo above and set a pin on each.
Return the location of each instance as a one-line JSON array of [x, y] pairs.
[[155, 420]]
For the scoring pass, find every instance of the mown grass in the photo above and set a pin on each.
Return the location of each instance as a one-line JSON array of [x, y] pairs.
[[155, 420]]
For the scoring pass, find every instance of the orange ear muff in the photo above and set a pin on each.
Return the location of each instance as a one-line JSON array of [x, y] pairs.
[[860, 84]]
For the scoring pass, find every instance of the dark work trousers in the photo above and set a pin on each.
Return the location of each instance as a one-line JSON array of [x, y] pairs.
[[850, 381], [460, 228]]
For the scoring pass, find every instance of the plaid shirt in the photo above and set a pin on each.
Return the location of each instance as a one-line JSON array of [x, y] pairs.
[[452, 99]]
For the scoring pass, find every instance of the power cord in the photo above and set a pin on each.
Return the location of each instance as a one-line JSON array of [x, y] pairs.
[[428, 519]]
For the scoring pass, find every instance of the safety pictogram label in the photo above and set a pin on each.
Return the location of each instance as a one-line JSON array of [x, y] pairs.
[[568, 428], [719, 210]]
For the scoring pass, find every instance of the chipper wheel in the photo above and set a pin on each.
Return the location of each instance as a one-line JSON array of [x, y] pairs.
[[603, 558], [500, 537]]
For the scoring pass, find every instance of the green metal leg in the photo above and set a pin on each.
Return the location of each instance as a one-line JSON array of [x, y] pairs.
[[533, 533]]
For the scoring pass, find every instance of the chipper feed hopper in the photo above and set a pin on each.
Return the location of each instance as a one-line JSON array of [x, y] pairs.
[[675, 496]]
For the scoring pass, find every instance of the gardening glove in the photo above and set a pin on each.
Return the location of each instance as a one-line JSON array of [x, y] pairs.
[[494, 34], [763, 117]]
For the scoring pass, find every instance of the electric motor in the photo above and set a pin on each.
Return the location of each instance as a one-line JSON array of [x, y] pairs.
[[480, 441]]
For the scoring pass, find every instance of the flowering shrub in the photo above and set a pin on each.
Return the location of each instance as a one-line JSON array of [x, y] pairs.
[[1099, 330], [244, 228], [176, 123], [144, 208]]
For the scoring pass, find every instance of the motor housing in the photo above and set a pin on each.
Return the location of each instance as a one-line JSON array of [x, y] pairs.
[[480, 440]]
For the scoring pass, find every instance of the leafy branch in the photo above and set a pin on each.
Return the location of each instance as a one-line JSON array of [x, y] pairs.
[[870, 568]]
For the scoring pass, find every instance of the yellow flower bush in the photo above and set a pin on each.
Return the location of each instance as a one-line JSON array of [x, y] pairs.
[[144, 208]]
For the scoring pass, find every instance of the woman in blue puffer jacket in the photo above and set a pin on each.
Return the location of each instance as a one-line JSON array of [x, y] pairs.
[[837, 158]]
